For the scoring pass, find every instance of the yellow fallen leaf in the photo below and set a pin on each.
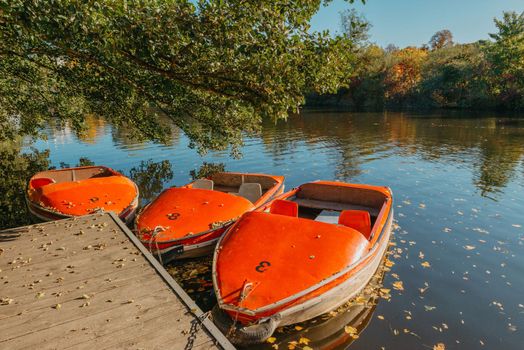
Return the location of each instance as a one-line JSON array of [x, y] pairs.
[[398, 285], [298, 328], [350, 330], [303, 340], [425, 264], [389, 263], [380, 317], [439, 346], [271, 340]]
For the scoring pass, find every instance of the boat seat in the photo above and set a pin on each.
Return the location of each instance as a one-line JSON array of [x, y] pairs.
[[251, 191], [203, 184], [356, 219], [283, 207], [42, 181]]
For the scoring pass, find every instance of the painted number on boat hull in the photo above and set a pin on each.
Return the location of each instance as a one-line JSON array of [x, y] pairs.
[[262, 266]]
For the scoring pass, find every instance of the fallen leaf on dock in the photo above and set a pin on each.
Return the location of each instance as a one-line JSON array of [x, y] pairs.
[[6, 301]]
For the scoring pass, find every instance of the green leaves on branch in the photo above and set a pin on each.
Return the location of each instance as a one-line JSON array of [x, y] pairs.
[[214, 68]]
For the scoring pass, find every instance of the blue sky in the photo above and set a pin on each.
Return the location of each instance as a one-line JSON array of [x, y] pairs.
[[413, 22]]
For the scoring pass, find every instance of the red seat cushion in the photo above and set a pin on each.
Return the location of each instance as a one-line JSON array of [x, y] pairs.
[[356, 219], [37, 183], [283, 207]]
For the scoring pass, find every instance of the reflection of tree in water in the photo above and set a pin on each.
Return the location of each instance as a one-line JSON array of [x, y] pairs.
[[17, 168], [356, 138], [350, 138], [499, 158], [150, 177], [206, 170], [123, 135]]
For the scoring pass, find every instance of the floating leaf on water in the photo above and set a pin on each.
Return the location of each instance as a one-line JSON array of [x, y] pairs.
[[429, 308], [439, 346], [298, 328], [398, 285], [469, 247], [425, 264], [517, 225], [380, 317], [389, 263]]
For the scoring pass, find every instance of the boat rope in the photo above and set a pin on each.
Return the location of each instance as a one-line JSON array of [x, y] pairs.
[[152, 238], [247, 288]]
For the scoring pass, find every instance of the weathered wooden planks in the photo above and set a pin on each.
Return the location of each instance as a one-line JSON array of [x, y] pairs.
[[87, 282]]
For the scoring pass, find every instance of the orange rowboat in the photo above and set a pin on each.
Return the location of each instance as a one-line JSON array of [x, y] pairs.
[[64, 193], [316, 248], [187, 221]]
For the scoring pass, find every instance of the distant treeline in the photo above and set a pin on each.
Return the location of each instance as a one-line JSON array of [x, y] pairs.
[[442, 74]]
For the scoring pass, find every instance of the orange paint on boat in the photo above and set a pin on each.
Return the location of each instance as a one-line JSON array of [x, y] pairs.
[[183, 212], [80, 191], [187, 221], [288, 252], [276, 266]]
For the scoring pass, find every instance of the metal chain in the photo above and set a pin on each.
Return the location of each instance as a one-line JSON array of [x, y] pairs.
[[193, 331]]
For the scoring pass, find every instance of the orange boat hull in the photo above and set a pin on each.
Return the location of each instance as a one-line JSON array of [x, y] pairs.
[[187, 222], [272, 270], [65, 193]]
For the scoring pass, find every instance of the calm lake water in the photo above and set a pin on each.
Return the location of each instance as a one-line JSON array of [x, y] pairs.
[[458, 182]]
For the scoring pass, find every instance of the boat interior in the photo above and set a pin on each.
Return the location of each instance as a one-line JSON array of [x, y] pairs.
[[67, 175], [354, 207], [249, 186]]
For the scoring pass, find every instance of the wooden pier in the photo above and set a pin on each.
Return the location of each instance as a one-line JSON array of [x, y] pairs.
[[88, 283]]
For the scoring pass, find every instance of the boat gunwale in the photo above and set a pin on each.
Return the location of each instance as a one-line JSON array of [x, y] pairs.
[[275, 188], [350, 269]]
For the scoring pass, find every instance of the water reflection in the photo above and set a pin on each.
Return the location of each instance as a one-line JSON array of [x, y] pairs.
[[151, 178], [493, 145]]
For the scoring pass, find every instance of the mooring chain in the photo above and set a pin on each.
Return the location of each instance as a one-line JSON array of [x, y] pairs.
[[193, 331]]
